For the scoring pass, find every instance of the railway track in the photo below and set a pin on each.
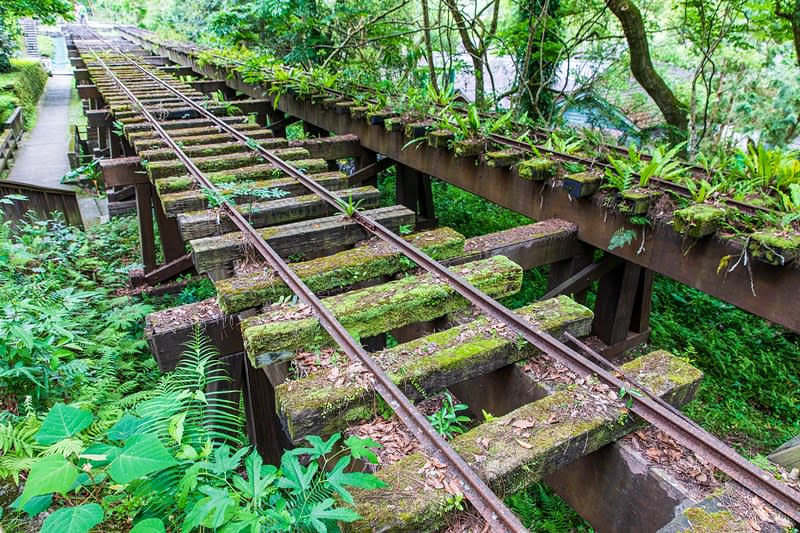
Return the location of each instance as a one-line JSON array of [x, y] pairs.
[[168, 101]]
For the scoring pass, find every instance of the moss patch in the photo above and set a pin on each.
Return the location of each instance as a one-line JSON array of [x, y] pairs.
[[698, 220], [775, 247], [368, 312], [335, 271]]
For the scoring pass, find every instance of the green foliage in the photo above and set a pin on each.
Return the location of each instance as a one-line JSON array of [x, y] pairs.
[[621, 237], [750, 391], [663, 164], [446, 421], [59, 316], [21, 87], [349, 207], [544, 512]]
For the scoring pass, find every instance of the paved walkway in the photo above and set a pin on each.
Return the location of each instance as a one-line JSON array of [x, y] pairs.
[[42, 156]]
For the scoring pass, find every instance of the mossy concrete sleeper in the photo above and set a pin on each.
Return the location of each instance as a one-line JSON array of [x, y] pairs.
[[319, 405], [374, 310]]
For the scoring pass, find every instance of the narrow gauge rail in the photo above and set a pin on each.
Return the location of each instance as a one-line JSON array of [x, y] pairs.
[[653, 411], [543, 133], [476, 491]]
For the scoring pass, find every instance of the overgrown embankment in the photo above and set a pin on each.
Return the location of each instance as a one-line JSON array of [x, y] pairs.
[[22, 87]]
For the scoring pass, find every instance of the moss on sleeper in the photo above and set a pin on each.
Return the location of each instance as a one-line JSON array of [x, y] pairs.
[[201, 150], [195, 200], [162, 169], [703, 521], [567, 425], [335, 271], [775, 247], [536, 169], [315, 405], [698, 220], [375, 310], [256, 172]]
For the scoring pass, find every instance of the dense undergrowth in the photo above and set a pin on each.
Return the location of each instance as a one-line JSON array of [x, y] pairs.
[[99, 439], [22, 87]]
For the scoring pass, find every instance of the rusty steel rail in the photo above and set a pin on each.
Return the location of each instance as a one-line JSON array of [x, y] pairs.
[[491, 508], [670, 421]]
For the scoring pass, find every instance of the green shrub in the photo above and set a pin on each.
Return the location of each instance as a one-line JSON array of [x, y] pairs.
[[27, 80]]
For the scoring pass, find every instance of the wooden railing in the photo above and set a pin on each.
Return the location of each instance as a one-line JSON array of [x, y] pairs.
[[10, 133], [40, 200]]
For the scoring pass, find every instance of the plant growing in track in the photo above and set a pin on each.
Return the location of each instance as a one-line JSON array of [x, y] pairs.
[[446, 421]]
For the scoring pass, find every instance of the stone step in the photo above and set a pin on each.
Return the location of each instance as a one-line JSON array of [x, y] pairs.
[[206, 223], [554, 431], [278, 333], [299, 238], [327, 401]]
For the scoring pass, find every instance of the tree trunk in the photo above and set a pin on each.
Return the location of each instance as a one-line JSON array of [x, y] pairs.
[[642, 66], [426, 34]]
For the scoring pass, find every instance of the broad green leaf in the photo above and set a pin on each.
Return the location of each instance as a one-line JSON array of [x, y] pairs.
[[142, 455], [296, 477], [35, 505], [175, 428], [324, 511], [223, 460], [212, 511], [127, 426], [259, 477], [50, 474], [150, 525], [362, 448], [61, 422], [99, 454], [337, 479], [79, 519]]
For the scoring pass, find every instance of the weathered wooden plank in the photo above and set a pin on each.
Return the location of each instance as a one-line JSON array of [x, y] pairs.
[[198, 224], [196, 200], [322, 403], [276, 334], [229, 146], [166, 169], [194, 137], [565, 425], [372, 261], [299, 238]]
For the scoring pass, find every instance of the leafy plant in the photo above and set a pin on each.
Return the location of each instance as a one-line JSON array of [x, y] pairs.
[[9, 199], [701, 190], [118, 128], [350, 207], [663, 163], [621, 237], [446, 421]]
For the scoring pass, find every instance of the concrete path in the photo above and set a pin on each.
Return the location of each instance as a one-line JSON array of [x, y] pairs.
[[42, 157]]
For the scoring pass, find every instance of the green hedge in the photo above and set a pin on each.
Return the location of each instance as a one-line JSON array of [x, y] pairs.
[[22, 87]]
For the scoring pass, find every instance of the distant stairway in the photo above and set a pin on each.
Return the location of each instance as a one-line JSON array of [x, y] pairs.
[[30, 30]]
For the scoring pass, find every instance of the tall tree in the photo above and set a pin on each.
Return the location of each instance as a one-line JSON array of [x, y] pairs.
[[539, 48], [674, 111], [476, 37], [792, 14]]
